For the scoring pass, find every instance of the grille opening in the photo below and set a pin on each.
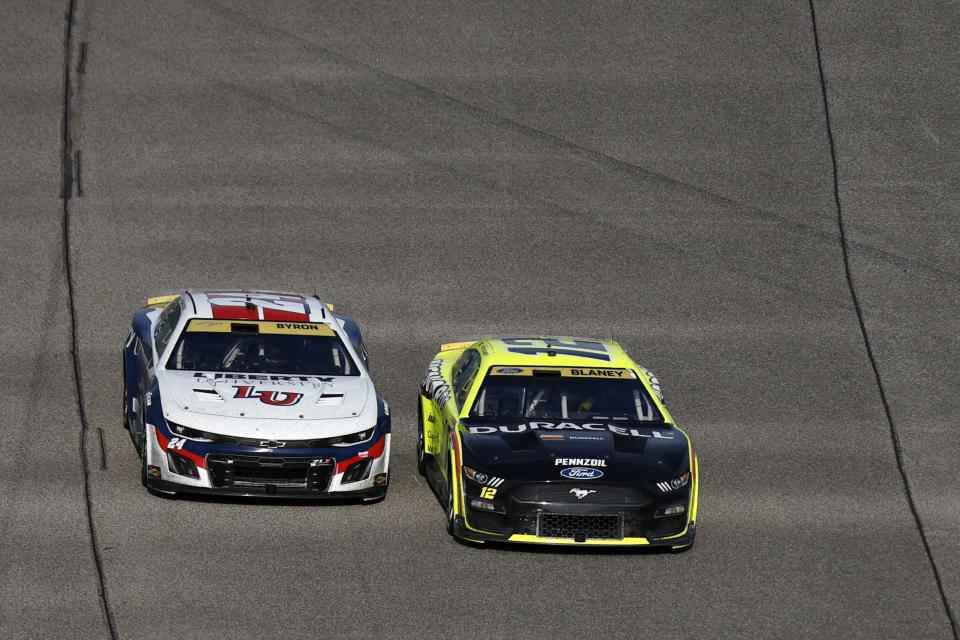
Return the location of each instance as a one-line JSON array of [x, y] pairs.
[[580, 527], [270, 474]]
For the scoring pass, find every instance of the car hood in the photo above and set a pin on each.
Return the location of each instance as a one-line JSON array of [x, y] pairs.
[[629, 452], [268, 406]]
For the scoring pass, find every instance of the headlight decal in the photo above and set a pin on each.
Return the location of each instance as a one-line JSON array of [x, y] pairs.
[[674, 484], [178, 444], [481, 478]]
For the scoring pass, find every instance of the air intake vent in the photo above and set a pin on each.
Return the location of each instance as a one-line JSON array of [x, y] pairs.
[[330, 399], [208, 395]]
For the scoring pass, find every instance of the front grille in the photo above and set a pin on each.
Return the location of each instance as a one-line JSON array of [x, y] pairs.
[[315, 443], [580, 527], [270, 474], [557, 492]]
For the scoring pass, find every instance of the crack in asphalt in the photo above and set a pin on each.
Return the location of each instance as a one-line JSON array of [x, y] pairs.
[[66, 192], [894, 435]]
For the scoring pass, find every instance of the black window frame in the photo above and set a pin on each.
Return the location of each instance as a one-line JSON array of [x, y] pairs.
[[463, 376]]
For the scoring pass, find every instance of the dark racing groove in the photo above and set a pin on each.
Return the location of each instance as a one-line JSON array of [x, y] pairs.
[[894, 436], [66, 191]]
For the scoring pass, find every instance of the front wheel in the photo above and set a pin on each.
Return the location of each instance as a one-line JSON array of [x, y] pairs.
[[126, 415], [143, 467], [421, 445], [451, 516]]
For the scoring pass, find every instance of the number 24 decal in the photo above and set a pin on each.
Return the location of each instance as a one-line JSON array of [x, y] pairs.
[[176, 443]]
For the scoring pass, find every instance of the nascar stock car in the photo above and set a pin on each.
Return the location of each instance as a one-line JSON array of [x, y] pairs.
[[253, 393], [556, 441]]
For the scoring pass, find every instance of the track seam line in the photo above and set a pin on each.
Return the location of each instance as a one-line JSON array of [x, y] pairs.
[[894, 435], [66, 191], [595, 156]]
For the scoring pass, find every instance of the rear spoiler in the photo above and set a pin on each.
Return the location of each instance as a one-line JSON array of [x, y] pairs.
[[161, 301], [456, 345]]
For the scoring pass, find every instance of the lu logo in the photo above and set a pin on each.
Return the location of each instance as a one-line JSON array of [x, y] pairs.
[[275, 398]]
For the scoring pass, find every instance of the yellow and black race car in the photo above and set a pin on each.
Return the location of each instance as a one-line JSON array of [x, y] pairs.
[[554, 441]]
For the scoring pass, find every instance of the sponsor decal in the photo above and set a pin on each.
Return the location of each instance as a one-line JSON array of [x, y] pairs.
[[509, 370], [654, 383], [434, 386], [594, 438], [153, 472], [259, 377], [274, 398], [582, 493], [579, 462], [582, 473], [537, 425]]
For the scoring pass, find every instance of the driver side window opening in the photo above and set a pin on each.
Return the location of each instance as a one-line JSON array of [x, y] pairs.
[[165, 326], [463, 375]]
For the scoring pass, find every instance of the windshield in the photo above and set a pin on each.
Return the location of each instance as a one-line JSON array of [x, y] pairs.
[[564, 393], [304, 348]]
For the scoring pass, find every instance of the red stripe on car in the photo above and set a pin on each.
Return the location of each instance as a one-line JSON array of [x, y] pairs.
[[199, 460], [372, 453]]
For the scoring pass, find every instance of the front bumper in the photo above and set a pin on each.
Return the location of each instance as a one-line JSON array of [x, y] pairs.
[[683, 539], [547, 513], [175, 465]]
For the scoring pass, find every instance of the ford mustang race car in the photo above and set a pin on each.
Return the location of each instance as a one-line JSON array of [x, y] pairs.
[[253, 393], [555, 441]]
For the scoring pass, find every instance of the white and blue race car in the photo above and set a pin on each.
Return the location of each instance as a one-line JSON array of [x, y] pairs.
[[253, 393]]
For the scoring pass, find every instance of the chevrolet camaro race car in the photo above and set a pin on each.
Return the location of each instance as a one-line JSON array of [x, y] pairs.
[[253, 393], [556, 441]]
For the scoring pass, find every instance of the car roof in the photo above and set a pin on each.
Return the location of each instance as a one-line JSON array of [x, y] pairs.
[[567, 351], [256, 304]]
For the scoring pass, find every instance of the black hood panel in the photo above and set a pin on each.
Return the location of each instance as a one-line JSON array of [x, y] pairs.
[[540, 450]]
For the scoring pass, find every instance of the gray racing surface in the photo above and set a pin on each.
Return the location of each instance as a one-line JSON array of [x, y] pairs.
[[665, 174]]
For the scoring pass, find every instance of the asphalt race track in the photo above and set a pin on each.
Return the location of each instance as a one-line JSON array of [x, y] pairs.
[[758, 201]]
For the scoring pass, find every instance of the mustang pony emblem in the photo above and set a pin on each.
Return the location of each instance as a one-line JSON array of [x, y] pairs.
[[582, 493], [275, 398]]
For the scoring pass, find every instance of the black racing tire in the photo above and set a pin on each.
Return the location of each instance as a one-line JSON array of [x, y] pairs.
[[448, 507], [143, 468], [421, 445], [126, 417]]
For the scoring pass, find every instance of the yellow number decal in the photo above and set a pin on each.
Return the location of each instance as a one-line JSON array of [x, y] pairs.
[[488, 492]]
